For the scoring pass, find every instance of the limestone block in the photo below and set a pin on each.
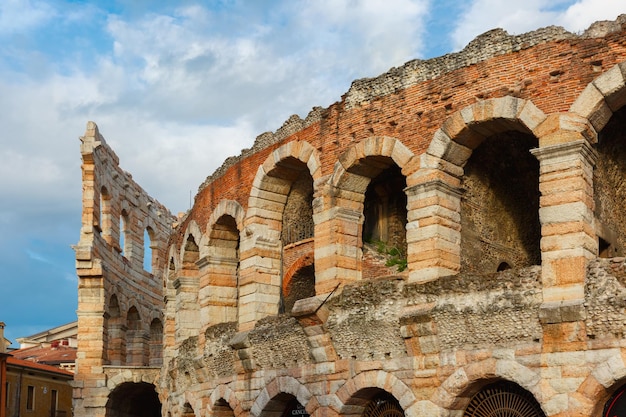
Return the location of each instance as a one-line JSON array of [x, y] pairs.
[[564, 292], [610, 85], [513, 371], [592, 106], [401, 154], [565, 213]]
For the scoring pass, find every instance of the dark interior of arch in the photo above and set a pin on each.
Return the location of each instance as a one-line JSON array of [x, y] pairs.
[[133, 400], [301, 285], [191, 254], [373, 402], [609, 188], [385, 208], [500, 205], [284, 405], [298, 209], [225, 234], [222, 409], [503, 399]]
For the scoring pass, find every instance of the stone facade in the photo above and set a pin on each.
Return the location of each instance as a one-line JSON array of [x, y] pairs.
[[449, 229]]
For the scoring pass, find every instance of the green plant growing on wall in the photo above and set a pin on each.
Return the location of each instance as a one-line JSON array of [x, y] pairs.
[[395, 257]]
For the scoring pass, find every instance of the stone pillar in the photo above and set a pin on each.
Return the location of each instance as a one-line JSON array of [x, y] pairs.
[[117, 344], [433, 229], [259, 280], [218, 289], [568, 239], [187, 310], [338, 242], [137, 346]]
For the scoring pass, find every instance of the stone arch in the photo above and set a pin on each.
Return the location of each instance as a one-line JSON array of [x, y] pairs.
[[435, 189], [356, 170], [602, 97], [465, 130], [355, 393], [290, 278], [193, 231], [261, 245], [224, 207], [603, 381], [455, 393], [191, 404], [220, 397], [603, 104], [133, 399], [272, 395], [116, 332]]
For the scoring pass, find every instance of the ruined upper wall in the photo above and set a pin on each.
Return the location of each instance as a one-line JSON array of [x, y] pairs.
[[493, 43]]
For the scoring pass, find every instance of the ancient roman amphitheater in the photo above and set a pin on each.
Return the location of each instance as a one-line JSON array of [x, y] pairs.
[[448, 239]]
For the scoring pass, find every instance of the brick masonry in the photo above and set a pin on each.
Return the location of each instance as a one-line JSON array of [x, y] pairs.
[[512, 154]]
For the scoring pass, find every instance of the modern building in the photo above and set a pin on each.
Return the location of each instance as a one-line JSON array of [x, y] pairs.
[[28, 388], [446, 240]]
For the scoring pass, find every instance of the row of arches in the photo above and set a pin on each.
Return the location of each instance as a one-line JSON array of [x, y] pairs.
[[129, 341], [370, 394], [470, 203], [131, 233]]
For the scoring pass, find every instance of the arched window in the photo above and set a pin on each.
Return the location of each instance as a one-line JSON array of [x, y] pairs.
[[148, 259]]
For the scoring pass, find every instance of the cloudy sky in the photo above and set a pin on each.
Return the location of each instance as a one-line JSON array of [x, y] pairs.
[[176, 88]]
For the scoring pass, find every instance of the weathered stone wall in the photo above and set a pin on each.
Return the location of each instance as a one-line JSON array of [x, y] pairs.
[[496, 146]]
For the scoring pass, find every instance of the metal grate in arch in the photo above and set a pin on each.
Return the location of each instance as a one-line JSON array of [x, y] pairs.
[[383, 406], [503, 399]]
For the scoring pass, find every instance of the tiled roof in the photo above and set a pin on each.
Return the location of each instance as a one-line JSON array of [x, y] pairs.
[[48, 355], [11, 361]]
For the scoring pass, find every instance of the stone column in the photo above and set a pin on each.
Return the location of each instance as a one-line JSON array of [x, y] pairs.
[[568, 239], [433, 229], [338, 241], [187, 310], [259, 280], [218, 290], [117, 344]]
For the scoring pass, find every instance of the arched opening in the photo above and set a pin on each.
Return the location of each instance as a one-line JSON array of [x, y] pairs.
[[284, 405], [374, 402], [503, 399], [616, 405], [188, 411], [156, 343], [191, 254], [222, 409], [135, 343], [148, 259], [297, 223], [500, 204], [384, 210], [116, 333], [299, 285], [133, 400], [609, 192]]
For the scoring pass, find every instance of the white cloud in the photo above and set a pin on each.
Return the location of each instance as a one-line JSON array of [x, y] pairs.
[[581, 14], [519, 16], [21, 16]]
